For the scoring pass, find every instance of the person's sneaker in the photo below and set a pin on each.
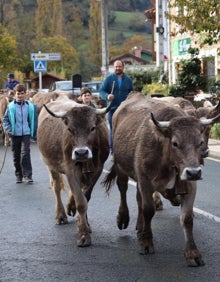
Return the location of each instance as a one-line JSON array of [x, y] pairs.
[[19, 179], [28, 179]]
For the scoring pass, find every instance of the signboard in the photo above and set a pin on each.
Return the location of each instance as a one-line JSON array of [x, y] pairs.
[[46, 56], [180, 47], [40, 66]]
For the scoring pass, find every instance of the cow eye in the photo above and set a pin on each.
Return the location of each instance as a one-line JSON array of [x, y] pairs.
[[202, 142], [175, 144], [93, 128]]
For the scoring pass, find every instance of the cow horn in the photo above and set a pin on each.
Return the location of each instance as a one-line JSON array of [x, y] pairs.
[[104, 110], [209, 120], [165, 124], [57, 115]]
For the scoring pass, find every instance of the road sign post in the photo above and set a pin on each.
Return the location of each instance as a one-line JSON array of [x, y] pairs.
[[46, 56], [40, 66], [40, 62]]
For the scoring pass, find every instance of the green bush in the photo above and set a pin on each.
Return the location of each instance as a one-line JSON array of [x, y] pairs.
[[176, 90], [141, 78], [155, 87], [215, 131]]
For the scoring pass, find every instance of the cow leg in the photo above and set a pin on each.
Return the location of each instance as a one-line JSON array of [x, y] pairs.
[[146, 210], [157, 201], [56, 182], [83, 235], [71, 206], [192, 254], [123, 211], [139, 223], [87, 190]]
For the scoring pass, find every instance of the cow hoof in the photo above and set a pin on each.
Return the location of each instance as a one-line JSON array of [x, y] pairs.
[[60, 221], [71, 210], [146, 250], [197, 261], [159, 206], [122, 221], [84, 241]]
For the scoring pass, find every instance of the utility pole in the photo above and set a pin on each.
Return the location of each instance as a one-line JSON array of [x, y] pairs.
[[104, 33], [159, 33]]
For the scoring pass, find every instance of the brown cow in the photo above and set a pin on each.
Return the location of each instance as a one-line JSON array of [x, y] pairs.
[[73, 140], [41, 98], [5, 98], [207, 111], [159, 146]]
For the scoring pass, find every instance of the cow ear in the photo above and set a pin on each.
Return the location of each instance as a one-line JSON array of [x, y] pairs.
[[160, 132], [166, 132]]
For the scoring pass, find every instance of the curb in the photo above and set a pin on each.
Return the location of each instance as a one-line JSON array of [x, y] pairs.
[[213, 154]]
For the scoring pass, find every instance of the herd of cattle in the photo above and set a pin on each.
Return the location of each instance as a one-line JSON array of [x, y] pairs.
[[161, 143]]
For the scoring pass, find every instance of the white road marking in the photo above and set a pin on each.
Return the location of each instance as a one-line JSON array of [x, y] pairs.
[[207, 214], [212, 159], [196, 210]]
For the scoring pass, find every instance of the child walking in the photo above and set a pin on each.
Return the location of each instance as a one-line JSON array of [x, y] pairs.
[[20, 123]]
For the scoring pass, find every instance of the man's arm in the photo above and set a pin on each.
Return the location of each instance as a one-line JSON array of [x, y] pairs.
[[104, 90]]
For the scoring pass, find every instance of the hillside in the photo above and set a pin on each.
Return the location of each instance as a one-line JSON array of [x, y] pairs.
[[128, 24], [36, 25]]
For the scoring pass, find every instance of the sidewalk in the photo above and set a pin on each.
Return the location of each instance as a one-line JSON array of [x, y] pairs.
[[214, 148]]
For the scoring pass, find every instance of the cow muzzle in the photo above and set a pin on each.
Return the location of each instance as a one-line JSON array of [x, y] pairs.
[[191, 173], [81, 154]]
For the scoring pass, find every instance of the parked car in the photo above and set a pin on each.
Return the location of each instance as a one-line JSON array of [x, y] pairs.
[[64, 85]]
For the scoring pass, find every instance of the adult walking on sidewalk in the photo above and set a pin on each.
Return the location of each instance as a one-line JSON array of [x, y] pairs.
[[20, 123], [115, 88]]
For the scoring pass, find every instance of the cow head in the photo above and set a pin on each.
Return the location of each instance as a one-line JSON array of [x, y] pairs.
[[81, 124], [186, 141]]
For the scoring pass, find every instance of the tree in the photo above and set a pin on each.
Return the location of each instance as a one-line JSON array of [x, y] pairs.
[[48, 18], [69, 55], [190, 78], [136, 40], [95, 50], [198, 16], [74, 29], [7, 52]]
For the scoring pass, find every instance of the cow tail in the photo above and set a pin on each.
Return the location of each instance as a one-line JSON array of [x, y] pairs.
[[109, 180]]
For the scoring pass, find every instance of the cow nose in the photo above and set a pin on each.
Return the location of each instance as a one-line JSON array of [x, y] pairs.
[[82, 154], [193, 173]]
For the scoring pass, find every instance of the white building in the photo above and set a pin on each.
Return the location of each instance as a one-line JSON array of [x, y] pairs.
[[171, 47]]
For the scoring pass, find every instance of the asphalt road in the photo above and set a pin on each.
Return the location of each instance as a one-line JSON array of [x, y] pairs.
[[34, 248]]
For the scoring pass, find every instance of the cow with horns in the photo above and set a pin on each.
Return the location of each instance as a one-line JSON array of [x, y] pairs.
[[160, 146], [73, 141]]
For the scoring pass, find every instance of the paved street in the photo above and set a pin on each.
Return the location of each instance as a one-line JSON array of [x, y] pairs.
[[34, 248]]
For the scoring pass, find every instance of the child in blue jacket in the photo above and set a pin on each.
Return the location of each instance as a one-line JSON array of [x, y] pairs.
[[20, 123]]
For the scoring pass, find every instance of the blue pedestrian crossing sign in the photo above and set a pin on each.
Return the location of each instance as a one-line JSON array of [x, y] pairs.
[[40, 66]]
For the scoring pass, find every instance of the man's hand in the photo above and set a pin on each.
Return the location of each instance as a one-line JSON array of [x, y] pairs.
[[9, 134], [111, 97]]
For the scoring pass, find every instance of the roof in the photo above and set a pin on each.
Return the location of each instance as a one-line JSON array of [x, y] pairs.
[[150, 13], [128, 59], [55, 77]]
